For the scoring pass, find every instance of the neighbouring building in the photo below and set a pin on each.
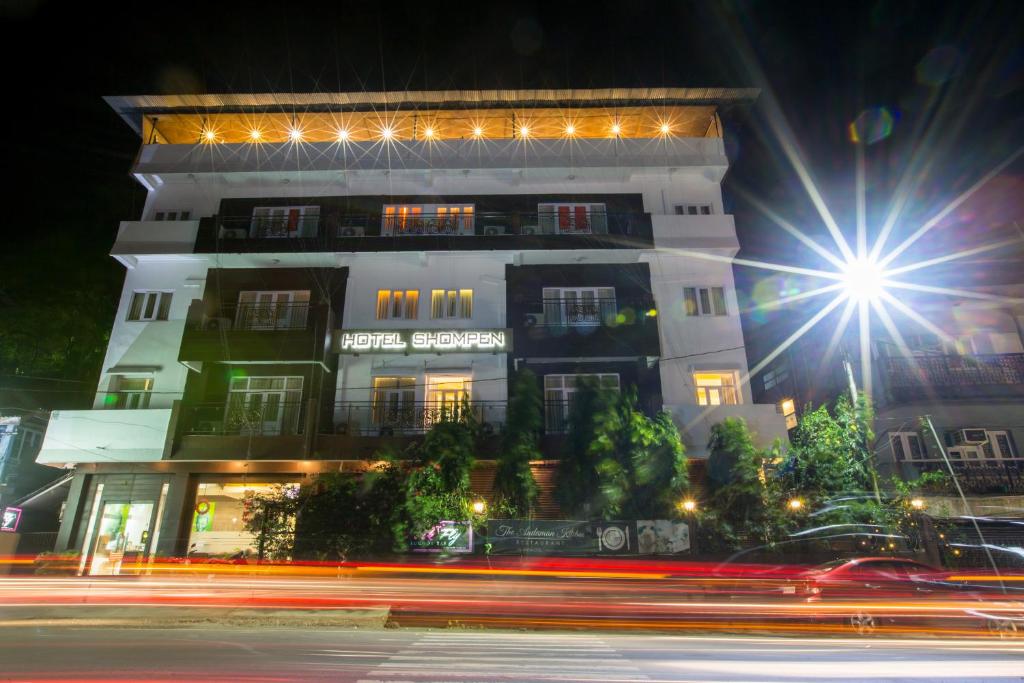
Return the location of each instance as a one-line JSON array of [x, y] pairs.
[[316, 277], [21, 437]]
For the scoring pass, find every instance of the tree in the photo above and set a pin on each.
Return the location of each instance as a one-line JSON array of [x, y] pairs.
[[747, 501], [514, 484], [270, 517], [579, 484], [437, 487], [641, 462]]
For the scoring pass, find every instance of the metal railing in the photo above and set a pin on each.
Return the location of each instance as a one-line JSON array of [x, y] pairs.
[[1004, 476], [955, 370], [396, 418], [332, 225], [268, 417], [253, 316], [562, 312]]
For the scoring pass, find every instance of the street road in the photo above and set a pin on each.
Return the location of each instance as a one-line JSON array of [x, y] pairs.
[[224, 653]]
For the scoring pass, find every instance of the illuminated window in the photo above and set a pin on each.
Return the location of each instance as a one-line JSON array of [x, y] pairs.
[[788, 409], [393, 304], [704, 301], [715, 388], [394, 404], [451, 303], [150, 306], [427, 219]]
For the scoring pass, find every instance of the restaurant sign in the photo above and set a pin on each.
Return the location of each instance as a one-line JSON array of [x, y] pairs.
[[10, 519], [422, 341], [446, 536], [560, 537]]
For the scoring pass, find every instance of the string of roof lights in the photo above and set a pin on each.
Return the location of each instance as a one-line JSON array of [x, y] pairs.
[[335, 127]]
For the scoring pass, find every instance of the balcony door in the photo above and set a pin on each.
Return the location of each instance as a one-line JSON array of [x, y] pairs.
[[394, 403], [578, 306], [264, 406], [272, 310], [446, 395]]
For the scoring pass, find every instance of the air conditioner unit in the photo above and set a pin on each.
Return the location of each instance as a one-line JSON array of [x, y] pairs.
[[970, 436], [533, 319], [494, 229], [352, 231], [233, 233], [531, 229]]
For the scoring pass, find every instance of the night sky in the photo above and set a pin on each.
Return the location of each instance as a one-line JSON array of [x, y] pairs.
[[951, 70]]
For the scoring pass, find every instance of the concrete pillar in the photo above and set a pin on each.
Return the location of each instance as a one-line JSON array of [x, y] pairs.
[[173, 528], [76, 507]]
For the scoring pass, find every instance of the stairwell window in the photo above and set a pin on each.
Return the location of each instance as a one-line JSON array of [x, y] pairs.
[[451, 303], [149, 305], [704, 301], [395, 304], [715, 388], [131, 393]]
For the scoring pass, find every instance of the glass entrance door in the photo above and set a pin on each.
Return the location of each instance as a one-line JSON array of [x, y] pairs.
[[445, 398], [121, 538]]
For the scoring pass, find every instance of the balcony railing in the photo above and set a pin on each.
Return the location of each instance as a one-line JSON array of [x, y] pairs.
[[1000, 476], [331, 226], [583, 313], [955, 375], [268, 417], [388, 418], [252, 317]]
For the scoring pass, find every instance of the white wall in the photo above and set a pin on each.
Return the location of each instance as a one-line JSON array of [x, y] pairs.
[[152, 347]]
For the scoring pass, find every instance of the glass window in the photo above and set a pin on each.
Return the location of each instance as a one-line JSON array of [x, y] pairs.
[[132, 392], [704, 301], [715, 388], [788, 409], [427, 219], [451, 303], [284, 221], [562, 219], [398, 303], [149, 305], [218, 520], [263, 406], [560, 391], [272, 310], [578, 305]]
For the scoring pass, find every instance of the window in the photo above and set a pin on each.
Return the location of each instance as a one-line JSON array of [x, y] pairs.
[[561, 219], [788, 409], [907, 446], [704, 300], [428, 219], [578, 305], [560, 392], [284, 221], [451, 303], [715, 388], [394, 403], [263, 406], [694, 209], [393, 304], [150, 306], [998, 444], [776, 376], [172, 215], [131, 393], [272, 310]]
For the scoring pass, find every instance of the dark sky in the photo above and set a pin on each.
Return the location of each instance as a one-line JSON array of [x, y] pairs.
[[954, 71]]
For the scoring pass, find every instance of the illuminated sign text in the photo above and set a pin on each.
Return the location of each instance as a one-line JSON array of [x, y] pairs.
[[422, 341]]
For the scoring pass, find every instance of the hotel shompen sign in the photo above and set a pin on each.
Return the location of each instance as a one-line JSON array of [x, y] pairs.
[[423, 341]]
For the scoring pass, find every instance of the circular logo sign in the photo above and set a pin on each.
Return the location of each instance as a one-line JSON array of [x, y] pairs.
[[613, 538]]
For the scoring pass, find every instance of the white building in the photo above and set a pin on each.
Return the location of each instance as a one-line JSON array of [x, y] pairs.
[[314, 279]]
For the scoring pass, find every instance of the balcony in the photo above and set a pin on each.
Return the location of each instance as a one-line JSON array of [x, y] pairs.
[[412, 418], [1002, 476], [87, 436], [601, 327], [135, 238], [253, 332], [379, 232], [268, 428], [953, 377], [695, 423]]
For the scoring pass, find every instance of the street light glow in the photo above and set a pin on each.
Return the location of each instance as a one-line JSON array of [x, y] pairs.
[[863, 279]]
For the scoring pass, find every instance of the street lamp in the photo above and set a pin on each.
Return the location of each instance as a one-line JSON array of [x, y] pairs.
[[689, 505], [917, 504]]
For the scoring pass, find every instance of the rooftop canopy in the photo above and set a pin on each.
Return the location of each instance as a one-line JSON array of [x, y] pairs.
[[427, 115]]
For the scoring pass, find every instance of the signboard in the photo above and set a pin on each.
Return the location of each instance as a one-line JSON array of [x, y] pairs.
[[450, 537], [11, 518], [662, 536], [423, 341]]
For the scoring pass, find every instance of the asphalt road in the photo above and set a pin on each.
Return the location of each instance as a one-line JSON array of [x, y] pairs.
[[221, 653]]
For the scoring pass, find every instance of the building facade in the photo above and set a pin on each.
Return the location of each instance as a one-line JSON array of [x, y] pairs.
[[305, 290]]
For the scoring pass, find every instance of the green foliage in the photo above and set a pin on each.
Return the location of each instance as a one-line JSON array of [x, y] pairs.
[[450, 447], [514, 484], [641, 462], [270, 517], [747, 503], [830, 452], [579, 484]]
